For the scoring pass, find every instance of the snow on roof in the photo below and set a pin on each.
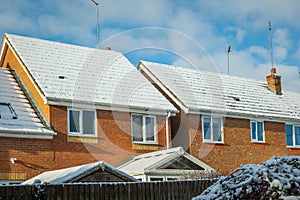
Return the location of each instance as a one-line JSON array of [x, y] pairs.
[[276, 177], [68, 174], [16, 114], [201, 91], [70, 73], [152, 161]]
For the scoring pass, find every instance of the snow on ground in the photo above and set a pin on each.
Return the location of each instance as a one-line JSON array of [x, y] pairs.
[[277, 178]]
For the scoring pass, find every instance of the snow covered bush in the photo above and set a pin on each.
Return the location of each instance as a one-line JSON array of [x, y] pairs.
[[277, 178]]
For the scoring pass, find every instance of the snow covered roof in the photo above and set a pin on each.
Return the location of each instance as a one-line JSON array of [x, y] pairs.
[[72, 174], [164, 159], [17, 117], [76, 74], [197, 91]]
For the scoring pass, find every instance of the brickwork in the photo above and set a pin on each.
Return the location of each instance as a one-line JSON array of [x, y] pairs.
[[114, 145], [238, 148]]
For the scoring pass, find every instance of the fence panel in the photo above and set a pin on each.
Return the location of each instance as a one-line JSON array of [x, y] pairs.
[[180, 190]]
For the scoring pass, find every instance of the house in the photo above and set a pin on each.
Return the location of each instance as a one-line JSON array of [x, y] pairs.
[[92, 104], [227, 121], [17, 119], [92, 172], [164, 165]]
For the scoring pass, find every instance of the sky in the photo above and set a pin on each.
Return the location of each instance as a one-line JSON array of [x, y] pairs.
[[193, 33]]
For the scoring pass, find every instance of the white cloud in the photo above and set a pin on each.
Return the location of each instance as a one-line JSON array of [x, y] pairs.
[[281, 38], [200, 30], [240, 34]]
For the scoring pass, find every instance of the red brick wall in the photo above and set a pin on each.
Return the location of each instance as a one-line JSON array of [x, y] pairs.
[[237, 148], [113, 144]]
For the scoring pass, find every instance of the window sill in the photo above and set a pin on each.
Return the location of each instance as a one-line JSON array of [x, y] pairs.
[[212, 142], [258, 142], [83, 139], [293, 147], [145, 143], [143, 146], [82, 135]]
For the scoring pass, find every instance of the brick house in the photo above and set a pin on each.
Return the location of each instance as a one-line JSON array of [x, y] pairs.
[[93, 103], [228, 121]]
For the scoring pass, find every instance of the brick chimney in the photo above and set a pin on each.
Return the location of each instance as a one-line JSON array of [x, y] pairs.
[[274, 81]]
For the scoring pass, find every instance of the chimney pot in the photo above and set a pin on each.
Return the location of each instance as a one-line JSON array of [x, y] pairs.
[[273, 71], [108, 48]]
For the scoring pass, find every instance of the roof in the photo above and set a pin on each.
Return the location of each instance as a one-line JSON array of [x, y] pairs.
[[197, 91], [76, 74], [159, 160], [72, 174], [16, 114]]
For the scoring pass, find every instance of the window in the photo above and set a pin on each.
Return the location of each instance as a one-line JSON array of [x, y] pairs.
[[81, 122], [292, 135], [212, 129], [7, 111], [143, 129], [257, 131]]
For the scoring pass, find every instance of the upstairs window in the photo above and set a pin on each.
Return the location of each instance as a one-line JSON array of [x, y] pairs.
[[257, 131], [143, 129], [292, 135], [81, 122], [212, 129]]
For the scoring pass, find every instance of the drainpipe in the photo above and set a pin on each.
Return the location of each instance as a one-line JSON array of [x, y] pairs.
[[167, 129]]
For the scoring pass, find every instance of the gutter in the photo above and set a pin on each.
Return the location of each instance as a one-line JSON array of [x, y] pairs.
[[27, 133], [105, 106]]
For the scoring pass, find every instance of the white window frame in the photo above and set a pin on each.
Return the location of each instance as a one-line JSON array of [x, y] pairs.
[[144, 129], [211, 127], [256, 131], [293, 135], [80, 133]]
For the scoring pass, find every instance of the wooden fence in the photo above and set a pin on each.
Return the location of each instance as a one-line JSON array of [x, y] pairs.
[[117, 191]]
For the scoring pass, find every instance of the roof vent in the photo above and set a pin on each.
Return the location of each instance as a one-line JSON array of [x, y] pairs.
[[274, 81], [235, 98], [61, 77]]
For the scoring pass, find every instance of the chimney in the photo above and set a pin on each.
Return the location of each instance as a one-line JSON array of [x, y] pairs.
[[274, 81], [108, 48]]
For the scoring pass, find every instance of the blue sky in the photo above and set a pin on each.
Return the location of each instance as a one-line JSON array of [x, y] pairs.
[[186, 33]]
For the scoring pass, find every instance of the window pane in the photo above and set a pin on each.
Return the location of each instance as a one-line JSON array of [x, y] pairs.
[[137, 128], [88, 120], [150, 129], [289, 135], [260, 131], [217, 133], [297, 135], [253, 130], [206, 128], [74, 121]]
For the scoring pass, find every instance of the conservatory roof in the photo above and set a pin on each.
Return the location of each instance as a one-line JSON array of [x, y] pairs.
[[175, 159]]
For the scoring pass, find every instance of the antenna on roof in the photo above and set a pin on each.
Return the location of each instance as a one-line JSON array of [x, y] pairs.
[[271, 45], [228, 52], [98, 26]]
